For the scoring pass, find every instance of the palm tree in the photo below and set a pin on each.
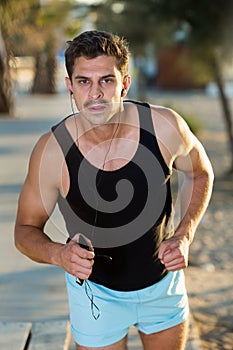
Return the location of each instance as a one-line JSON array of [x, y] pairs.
[[37, 32], [49, 26], [6, 93]]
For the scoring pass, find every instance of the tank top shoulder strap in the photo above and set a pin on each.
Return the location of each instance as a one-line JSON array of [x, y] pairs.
[[67, 145], [62, 136], [145, 119], [147, 132]]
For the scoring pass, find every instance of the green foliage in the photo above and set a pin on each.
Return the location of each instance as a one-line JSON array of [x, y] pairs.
[[194, 123], [134, 21], [207, 25], [30, 27], [36, 28]]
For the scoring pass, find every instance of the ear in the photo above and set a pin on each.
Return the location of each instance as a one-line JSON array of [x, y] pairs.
[[69, 85], [125, 85]]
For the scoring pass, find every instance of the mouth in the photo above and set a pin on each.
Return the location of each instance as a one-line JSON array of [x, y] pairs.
[[96, 108], [98, 111]]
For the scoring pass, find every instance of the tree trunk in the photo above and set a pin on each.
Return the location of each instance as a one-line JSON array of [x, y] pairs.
[[45, 70], [225, 106], [39, 75], [51, 65], [6, 95]]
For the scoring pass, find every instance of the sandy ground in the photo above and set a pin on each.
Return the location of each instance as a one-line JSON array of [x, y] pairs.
[[209, 277]]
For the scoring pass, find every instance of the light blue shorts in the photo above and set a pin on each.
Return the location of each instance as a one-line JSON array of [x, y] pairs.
[[152, 309]]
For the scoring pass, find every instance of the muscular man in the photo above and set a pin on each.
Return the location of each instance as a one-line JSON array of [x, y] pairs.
[[108, 168]]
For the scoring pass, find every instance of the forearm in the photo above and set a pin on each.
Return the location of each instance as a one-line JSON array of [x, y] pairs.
[[195, 196], [35, 244]]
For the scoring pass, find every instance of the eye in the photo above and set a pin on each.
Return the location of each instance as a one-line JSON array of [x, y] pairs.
[[107, 80], [83, 81]]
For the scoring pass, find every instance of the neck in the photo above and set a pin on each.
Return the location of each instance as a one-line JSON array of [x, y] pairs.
[[100, 132], [106, 131], [98, 139]]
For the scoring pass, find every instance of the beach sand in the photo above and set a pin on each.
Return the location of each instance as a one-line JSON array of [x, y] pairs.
[[209, 277]]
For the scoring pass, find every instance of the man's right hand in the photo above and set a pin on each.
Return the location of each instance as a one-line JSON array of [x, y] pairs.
[[76, 260]]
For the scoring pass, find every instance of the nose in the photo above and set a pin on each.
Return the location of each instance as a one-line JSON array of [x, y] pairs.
[[95, 92]]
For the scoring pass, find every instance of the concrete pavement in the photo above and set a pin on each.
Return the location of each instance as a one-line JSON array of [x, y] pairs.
[[29, 291]]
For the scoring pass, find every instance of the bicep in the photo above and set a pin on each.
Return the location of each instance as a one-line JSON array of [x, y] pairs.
[[33, 209], [193, 162], [179, 146]]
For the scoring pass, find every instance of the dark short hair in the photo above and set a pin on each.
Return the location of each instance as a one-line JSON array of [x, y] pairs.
[[93, 43]]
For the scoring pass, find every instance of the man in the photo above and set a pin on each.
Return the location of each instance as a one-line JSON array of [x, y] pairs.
[[108, 167]]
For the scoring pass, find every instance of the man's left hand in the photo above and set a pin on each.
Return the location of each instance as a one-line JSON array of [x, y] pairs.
[[174, 252]]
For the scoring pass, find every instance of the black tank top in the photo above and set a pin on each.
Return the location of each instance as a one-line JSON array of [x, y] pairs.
[[124, 212]]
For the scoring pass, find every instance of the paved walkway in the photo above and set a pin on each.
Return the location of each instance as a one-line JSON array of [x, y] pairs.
[[29, 291]]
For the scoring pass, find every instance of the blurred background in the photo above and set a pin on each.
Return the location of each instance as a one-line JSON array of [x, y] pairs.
[[181, 57], [175, 46]]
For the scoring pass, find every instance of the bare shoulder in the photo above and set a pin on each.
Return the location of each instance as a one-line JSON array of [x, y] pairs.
[[169, 120], [46, 157], [46, 146], [184, 150], [174, 136]]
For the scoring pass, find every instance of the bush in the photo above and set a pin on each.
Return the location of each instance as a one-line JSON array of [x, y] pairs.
[[194, 124]]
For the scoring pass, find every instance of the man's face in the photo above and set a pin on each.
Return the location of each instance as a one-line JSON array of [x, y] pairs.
[[97, 85]]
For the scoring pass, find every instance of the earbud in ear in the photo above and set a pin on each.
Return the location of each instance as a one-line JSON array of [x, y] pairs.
[[122, 92]]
